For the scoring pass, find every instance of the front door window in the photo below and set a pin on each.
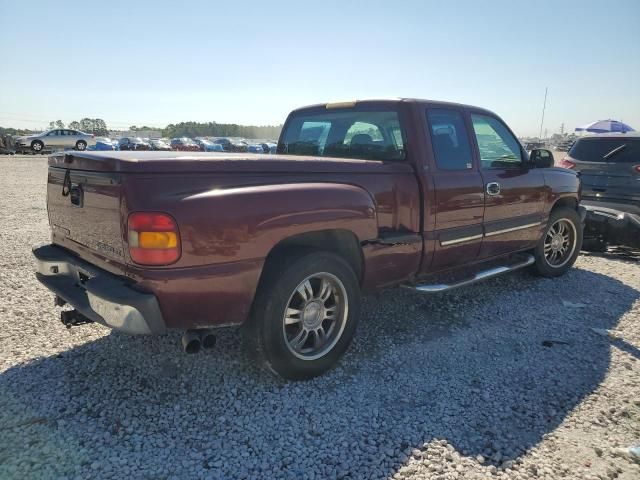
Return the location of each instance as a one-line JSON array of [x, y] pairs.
[[498, 147]]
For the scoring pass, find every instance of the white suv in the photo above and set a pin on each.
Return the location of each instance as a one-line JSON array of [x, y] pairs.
[[58, 138]]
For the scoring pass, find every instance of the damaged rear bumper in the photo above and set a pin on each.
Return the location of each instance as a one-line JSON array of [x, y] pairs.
[[97, 294]]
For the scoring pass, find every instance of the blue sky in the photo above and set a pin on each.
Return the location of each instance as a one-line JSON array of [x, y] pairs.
[[250, 62]]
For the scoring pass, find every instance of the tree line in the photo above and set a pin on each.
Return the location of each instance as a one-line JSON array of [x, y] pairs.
[[97, 126], [213, 129]]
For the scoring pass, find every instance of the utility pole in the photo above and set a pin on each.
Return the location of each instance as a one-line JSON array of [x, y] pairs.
[[544, 106], [562, 129]]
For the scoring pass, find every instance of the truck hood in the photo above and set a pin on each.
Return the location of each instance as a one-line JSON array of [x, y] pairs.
[[183, 162]]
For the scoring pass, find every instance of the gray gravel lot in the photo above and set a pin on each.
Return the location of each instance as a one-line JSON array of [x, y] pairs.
[[504, 379]]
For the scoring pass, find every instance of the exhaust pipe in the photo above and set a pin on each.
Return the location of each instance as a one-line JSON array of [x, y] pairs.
[[207, 339], [191, 341]]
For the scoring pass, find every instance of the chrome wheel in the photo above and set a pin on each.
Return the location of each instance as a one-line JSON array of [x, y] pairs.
[[560, 243], [37, 146], [315, 316], [81, 146]]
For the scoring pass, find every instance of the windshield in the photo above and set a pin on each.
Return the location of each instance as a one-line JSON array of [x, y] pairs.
[[371, 135], [616, 150]]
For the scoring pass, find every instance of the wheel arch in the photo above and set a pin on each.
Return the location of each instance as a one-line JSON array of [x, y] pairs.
[[342, 242], [568, 202]]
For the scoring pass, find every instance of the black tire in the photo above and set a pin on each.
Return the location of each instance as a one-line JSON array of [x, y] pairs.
[[266, 334], [81, 145], [544, 263], [37, 146]]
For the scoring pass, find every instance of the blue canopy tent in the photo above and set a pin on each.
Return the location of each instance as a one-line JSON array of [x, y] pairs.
[[605, 126]]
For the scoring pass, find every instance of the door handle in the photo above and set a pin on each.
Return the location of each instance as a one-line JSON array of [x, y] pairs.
[[493, 188]]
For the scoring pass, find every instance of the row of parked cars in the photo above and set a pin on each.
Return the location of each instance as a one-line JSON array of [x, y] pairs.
[[184, 144], [65, 138]]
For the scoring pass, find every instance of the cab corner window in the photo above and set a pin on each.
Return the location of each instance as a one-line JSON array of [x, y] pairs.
[[449, 139], [498, 147]]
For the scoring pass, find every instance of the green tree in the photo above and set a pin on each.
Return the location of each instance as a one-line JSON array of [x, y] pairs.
[[97, 126], [59, 124], [74, 125]]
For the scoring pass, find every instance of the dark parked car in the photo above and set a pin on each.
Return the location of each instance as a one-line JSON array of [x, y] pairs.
[[208, 146], [184, 144], [255, 148], [269, 147], [565, 146], [609, 166], [159, 146], [231, 145], [286, 244], [136, 143], [533, 145]]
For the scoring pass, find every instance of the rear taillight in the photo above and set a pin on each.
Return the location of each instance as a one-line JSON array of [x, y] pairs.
[[153, 238], [564, 163], [637, 168]]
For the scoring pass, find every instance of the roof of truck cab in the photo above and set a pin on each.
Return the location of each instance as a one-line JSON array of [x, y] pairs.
[[390, 101]]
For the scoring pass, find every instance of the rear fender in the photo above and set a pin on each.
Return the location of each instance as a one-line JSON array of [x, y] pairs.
[[247, 222]]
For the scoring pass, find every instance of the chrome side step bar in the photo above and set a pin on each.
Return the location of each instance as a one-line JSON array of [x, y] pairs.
[[492, 272]]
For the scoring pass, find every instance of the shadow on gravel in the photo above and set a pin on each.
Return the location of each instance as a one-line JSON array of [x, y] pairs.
[[626, 347], [490, 369]]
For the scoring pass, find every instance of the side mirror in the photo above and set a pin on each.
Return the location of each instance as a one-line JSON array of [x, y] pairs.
[[541, 158]]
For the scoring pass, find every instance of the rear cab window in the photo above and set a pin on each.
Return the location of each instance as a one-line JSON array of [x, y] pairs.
[[606, 150], [344, 133], [449, 139]]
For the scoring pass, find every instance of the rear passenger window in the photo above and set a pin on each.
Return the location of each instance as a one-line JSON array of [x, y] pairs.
[[449, 139]]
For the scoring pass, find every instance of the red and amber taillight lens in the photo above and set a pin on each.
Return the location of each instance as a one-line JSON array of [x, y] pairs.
[[564, 163], [637, 168], [153, 238]]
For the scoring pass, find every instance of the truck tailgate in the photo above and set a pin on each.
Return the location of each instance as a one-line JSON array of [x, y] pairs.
[[85, 214]]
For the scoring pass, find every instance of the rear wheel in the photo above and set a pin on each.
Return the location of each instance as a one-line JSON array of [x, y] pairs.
[[305, 314], [81, 145], [37, 146], [560, 244]]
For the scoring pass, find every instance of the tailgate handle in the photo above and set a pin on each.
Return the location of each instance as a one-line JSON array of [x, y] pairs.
[[76, 195]]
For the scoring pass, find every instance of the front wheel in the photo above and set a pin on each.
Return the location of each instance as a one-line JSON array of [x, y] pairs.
[[37, 146], [560, 243], [81, 145], [305, 314]]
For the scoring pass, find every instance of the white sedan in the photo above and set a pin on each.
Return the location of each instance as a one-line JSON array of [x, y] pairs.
[[58, 138]]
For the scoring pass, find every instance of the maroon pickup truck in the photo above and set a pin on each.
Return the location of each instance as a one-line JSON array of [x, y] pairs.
[[359, 196]]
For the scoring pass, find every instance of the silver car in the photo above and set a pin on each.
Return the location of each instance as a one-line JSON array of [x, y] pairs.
[[56, 139]]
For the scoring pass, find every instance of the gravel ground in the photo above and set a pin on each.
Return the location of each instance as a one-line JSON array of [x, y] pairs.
[[505, 379]]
